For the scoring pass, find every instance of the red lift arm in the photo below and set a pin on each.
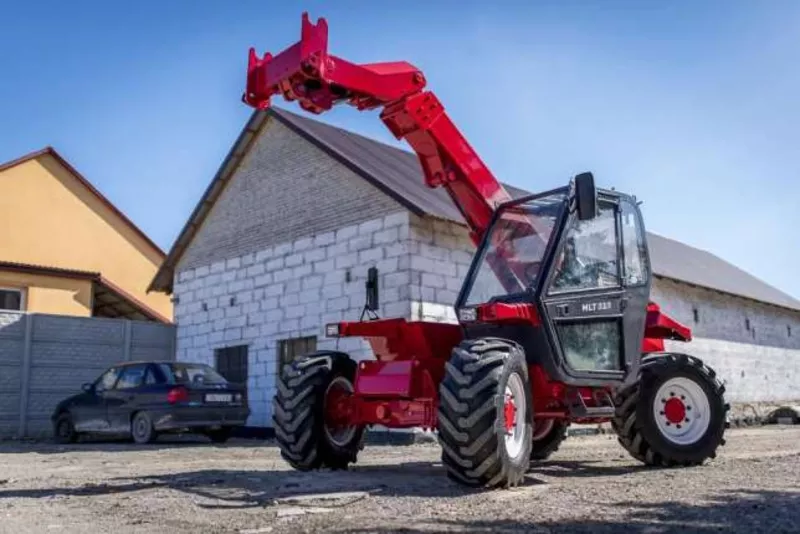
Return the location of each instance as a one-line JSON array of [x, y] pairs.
[[305, 72]]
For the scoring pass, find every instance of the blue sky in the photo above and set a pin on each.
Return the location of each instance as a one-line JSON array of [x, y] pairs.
[[691, 106]]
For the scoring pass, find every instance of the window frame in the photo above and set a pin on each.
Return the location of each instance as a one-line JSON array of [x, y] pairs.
[[641, 247], [551, 290], [223, 353], [117, 369], [124, 369], [23, 298], [281, 343]]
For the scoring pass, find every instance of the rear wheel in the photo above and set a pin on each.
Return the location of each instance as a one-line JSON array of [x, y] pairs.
[[547, 438], [485, 412], [311, 424], [142, 430], [674, 414]]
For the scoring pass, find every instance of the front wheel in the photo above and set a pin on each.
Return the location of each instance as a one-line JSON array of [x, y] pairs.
[[485, 411], [674, 414], [64, 429]]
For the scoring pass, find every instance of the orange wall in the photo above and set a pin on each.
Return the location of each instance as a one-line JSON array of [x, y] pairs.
[[50, 294], [47, 217]]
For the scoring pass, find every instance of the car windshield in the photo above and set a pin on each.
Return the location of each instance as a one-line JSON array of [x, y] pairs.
[[191, 373], [512, 256]]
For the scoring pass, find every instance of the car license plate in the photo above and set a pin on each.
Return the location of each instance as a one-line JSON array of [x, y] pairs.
[[219, 397]]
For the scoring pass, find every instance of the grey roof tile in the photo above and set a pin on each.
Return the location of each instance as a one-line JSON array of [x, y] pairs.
[[398, 173]]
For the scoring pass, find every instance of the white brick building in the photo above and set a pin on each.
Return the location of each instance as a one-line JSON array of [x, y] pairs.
[[282, 239]]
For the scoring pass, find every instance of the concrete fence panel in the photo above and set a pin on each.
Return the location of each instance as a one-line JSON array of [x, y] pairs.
[[46, 358]]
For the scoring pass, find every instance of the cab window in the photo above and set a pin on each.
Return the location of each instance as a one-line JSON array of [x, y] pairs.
[[589, 258], [634, 247]]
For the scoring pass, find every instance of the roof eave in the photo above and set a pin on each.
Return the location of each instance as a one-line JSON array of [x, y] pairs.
[[52, 152], [163, 279], [728, 293]]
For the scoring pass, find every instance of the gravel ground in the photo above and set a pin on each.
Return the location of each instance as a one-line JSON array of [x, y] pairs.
[[590, 485]]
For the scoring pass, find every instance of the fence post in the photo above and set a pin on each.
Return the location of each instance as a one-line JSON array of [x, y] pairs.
[[127, 354], [25, 376], [173, 343]]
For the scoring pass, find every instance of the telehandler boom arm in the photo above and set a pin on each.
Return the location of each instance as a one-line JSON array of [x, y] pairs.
[[305, 72]]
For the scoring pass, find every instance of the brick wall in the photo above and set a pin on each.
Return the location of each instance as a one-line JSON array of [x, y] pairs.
[[291, 290], [758, 364], [441, 253], [285, 188], [46, 358]]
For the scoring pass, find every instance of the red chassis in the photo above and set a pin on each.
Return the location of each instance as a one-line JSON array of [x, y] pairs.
[[400, 388]]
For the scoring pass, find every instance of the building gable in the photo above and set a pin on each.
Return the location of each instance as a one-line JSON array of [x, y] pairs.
[[284, 188], [60, 220]]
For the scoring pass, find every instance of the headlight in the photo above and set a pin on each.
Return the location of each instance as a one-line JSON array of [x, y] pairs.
[[468, 314], [332, 330]]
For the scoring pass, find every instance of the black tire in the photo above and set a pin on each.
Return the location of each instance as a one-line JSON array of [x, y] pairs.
[[635, 419], [471, 427], [219, 435], [64, 429], [549, 443], [299, 409], [142, 431]]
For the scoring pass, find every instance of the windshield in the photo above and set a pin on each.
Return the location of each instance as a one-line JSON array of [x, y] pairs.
[[191, 373], [513, 254]]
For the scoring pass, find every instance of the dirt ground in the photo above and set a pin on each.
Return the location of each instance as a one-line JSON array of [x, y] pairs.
[[590, 485]]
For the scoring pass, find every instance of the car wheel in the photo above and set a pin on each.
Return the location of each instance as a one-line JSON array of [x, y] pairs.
[[219, 435], [142, 430], [64, 430]]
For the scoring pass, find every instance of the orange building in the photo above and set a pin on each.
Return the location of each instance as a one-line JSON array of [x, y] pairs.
[[66, 250]]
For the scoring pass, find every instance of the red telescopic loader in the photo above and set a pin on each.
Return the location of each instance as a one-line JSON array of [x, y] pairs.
[[555, 320]]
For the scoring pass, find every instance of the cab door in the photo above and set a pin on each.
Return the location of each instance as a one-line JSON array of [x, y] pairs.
[[596, 295]]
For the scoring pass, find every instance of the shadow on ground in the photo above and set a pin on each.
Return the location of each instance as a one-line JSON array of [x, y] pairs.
[[244, 489], [105, 444], [741, 511], [239, 488]]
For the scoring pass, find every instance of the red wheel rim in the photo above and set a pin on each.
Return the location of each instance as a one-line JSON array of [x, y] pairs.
[[337, 411]]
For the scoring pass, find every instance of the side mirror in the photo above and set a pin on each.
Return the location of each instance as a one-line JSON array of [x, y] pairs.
[[88, 388], [372, 289], [585, 196]]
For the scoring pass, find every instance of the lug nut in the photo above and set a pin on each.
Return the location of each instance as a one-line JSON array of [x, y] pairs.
[[678, 426], [686, 420], [661, 413], [683, 397], [671, 393]]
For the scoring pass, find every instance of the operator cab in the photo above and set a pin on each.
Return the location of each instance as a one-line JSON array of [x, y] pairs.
[[579, 257]]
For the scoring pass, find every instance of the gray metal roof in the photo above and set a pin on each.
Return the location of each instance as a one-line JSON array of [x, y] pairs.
[[397, 172]]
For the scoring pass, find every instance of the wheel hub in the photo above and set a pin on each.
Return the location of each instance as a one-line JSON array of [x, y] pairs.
[[682, 411], [337, 414], [510, 412], [675, 410], [514, 415]]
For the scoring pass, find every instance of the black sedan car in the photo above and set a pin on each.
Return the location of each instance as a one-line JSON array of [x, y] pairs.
[[142, 399]]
